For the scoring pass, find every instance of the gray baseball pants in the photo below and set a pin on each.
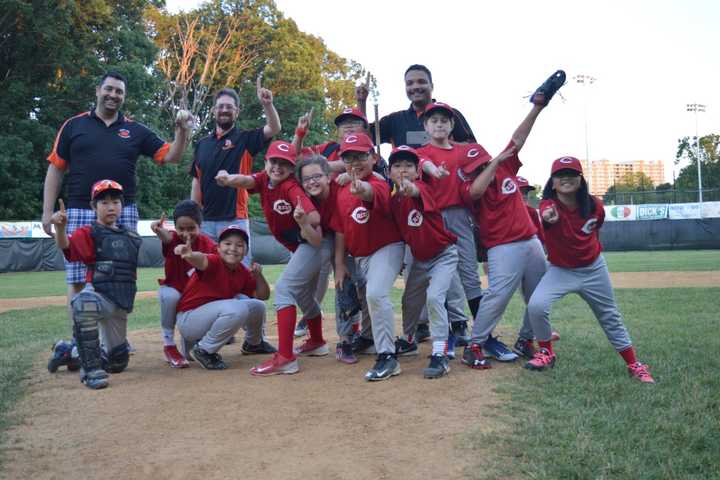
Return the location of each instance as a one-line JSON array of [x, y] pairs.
[[510, 266], [458, 220], [592, 283], [380, 271], [298, 282]]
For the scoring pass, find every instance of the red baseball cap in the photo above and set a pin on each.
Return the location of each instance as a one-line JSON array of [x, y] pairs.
[[281, 149], [523, 183], [102, 186], [358, 142], [432, 107], [566, 163], [230, 229], [475, 157], [351, 112], [403, 152]]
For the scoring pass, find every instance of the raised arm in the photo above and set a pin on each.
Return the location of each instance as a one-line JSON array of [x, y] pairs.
[[196, 259], [265, 96], [183, 127], [523, 130], [224, 179], [158, 228]]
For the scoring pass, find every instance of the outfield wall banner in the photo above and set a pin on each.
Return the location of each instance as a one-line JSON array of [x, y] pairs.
[[681, 211], [616, 213], [711, 209], [651, 211]]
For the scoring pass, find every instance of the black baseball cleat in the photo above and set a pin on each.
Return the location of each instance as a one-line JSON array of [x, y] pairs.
[[405, 348], [363, 346], [422, 333], [439, 366], [386, 366], [473, 357], [259, 349], [209, 361], [548, 89]]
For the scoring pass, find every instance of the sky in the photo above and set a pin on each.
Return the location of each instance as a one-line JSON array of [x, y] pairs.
[[649, 58]]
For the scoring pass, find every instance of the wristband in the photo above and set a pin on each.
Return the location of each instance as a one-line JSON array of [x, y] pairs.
[[300, 132]]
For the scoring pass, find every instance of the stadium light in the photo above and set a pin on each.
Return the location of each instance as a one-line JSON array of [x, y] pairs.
[[697, 108]]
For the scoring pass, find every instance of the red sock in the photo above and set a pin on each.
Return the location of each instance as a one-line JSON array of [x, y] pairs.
[[315, 327], [356, 327], [547, 346], [286, 318], [629, 355]]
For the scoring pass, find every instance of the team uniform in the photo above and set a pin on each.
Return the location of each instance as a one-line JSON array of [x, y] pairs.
[[88, 150], [515, 255], [233, 152], [216, 303]]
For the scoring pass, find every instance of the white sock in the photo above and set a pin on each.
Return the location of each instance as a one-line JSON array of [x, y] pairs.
[[169, 336], [439, 348]]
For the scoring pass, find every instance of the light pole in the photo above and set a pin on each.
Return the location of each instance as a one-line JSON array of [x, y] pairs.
[[586, 81], [697, 108]]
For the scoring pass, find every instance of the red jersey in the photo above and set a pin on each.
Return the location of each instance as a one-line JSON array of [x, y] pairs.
[[421, 224], [327, 207], [447, 189], [216, 282], [278, 203], [537, 221], [177, 270], [367, 226], [573, 241], [328, 150], [501, 213]]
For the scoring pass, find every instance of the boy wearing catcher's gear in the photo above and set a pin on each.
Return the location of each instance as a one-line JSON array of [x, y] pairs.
[[433, 249], [364, 227], [221, 297], [294, 222], [572, 219], [100, 310]]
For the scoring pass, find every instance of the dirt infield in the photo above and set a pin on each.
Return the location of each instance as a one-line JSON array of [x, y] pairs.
[[325, 422], [619, 280]]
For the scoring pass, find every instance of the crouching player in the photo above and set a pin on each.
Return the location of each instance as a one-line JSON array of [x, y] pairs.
[[100, 310], [214, 306], [435, 257], [572, 219]]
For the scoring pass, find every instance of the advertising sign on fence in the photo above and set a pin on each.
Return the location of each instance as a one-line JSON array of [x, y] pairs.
[[620, 212], [684, 211], [652, 211], [711, 209]]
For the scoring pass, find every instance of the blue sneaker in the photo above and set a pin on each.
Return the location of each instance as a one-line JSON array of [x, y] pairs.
[[499, 351]]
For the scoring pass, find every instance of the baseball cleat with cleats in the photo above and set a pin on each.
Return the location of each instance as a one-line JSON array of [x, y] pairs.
[[94, 379], [525, 348], [641, 372], [209, 361], [363, 346], [174, 357], [405, 348], [344, 353], [278, 365], [496, 349], [386, 366], [473, 357], [422, 333], [260, 349], [312, 348], [439, 367], [541, 360]]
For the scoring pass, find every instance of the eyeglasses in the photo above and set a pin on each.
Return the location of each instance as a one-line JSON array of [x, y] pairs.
[[223, 107], [312, 178], [347, 160], [566, 174]]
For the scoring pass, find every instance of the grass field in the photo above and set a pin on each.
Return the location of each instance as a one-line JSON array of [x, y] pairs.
[[583, 420]]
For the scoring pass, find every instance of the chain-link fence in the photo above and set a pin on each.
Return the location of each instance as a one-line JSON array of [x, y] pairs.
[[660, 196]]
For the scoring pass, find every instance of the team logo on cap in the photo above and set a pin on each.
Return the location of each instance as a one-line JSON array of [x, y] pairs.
[[360, 215], [347, 110], [228, 144], [351, 139], [589, 226], [415, 218], [282, 207], [283, 147], [124, 133], [403, 147], [509, 186], [566, 160], [521, 179]]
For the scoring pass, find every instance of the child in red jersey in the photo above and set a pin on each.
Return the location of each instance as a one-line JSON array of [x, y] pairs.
[[572, 219], [188, 218], [294, 221], [221, 297], [364, 227], [435, 256]]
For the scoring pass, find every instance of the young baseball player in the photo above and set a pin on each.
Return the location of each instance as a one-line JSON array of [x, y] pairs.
[[572, 219], [515, 255], [294, 221], [435, 257], [100, 310], [364, 227], [221, 297]]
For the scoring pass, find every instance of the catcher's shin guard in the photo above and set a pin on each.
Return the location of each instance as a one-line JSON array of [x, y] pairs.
[[87, 311], [117, 359]]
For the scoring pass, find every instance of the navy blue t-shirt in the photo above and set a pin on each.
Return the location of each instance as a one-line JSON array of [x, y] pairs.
[[90, 151], [232, 152]]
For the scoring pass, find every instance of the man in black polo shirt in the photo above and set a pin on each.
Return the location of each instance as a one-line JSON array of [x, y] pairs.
[[102, 143], [405, 127], [231, 149]]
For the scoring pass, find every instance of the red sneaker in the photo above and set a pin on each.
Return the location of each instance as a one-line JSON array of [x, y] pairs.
[[278, 365], [312, 348], [640, 371], [541, 360], [174, 357]]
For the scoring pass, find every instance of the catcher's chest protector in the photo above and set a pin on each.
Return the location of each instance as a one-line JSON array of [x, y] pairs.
[[114, 274]]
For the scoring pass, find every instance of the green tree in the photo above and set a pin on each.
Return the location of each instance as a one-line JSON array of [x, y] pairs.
[[687, 152]]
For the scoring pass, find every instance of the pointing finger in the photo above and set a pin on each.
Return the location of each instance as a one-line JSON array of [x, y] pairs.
[[259, 82], [62, 205]]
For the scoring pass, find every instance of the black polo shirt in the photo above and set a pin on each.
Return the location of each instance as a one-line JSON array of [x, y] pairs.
[[406, 128], [232, 152], [90, 151]]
